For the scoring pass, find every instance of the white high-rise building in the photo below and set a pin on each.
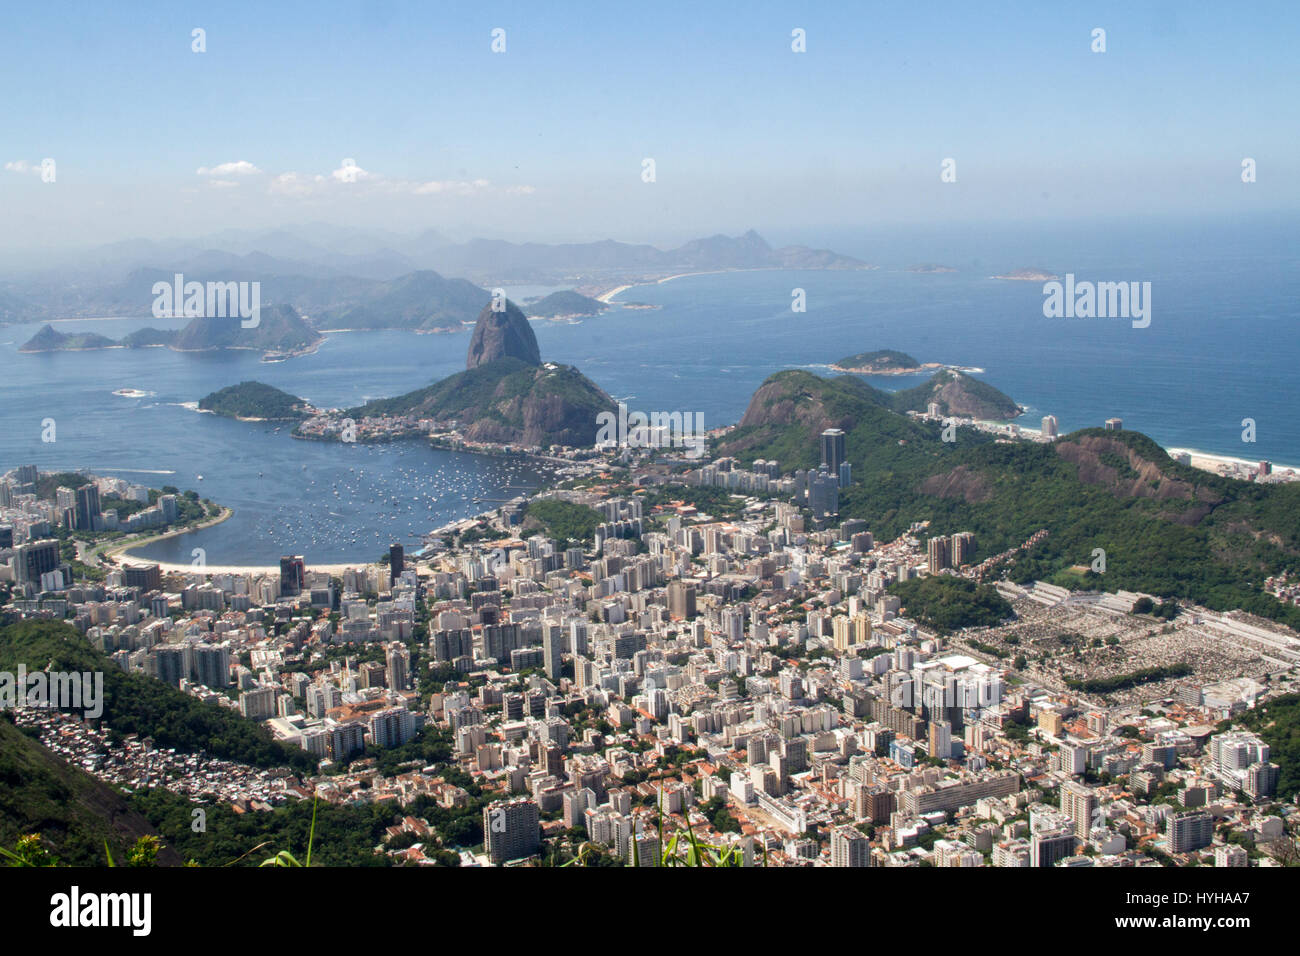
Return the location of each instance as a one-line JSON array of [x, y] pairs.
[[850, 847]]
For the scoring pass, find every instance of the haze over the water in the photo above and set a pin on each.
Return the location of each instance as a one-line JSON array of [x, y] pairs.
[[547, 139]]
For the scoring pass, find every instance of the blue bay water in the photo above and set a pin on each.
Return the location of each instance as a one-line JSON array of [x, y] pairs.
[[1222, 346]]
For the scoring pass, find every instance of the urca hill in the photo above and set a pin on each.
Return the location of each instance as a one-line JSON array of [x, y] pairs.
[[506, 393]]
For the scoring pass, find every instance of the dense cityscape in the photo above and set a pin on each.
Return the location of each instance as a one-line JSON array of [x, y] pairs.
[[663, 650]]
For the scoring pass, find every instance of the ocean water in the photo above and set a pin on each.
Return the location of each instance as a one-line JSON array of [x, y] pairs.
[[1222, 346], [331, 502], [1223, 343]]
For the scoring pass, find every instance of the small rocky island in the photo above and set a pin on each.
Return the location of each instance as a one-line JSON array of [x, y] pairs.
[[882, 362], [1029, 275], [280, 330], [560, 305], [256, 402]]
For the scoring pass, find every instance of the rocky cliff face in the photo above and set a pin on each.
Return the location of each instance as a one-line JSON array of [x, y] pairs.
[[543, 406], [503, 334]]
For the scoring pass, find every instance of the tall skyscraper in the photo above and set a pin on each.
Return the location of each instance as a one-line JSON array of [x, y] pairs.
[[1114, 424], [1048, 846], [87, 507], [292, 574], [147, 577], [511, 829], [212, 665], [35, 558], [833, 450], [681, 600], [960, 547], [554, 643], [941, 739], [1049, 426], [398, 659], [937, 553], [1189, 831], [824, 495], [1079, 803], [396, 562], [850, 847]]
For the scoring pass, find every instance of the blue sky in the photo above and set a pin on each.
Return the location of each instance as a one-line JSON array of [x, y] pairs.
[[547, 139]]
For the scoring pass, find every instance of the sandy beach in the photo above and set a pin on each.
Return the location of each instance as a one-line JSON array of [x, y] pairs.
[[1209, 462], [169, 567], [607, 296]]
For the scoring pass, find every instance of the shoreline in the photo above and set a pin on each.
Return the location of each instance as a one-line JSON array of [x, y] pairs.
[[121, 552], [1204, 461], [923, 369], [171, 567], [1212, 458], [608, 297], [1201, 460]]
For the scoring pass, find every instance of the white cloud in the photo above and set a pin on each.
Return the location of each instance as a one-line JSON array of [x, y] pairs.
[[22, 166], [349, 172], [350, 176], [446, 186], [241, 167], [223, 184]]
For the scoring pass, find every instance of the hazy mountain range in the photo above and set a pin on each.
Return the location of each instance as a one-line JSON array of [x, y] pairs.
[[371, 281]]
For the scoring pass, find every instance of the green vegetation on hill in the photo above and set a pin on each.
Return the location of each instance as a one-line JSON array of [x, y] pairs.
[[48, 339], [72, 812], [957, 393], [1278, 722], [564, 520], [344, 835], [143, 338], [1167, 529], [138, 704], [718, 503], [566, 302], [279, 328], [948, 603], [791, 408], [254, 400], [508, 400], [420, 300], [468, 389], [47, 485], [881, 360]]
